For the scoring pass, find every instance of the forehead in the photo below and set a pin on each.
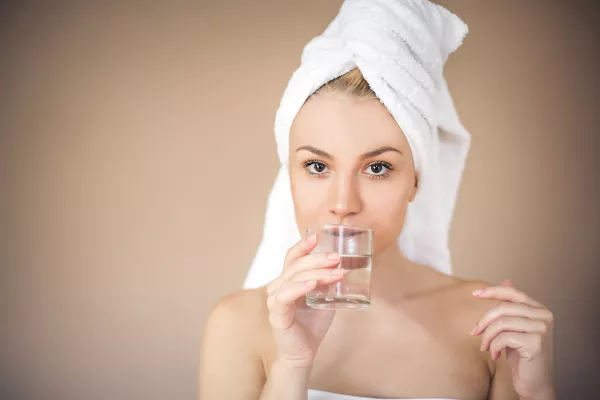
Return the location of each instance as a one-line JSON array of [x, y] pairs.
[[337, 121]]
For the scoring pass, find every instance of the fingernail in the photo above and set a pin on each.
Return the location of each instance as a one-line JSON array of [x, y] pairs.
[[333, 256], [338, 272], [478, 292], [310, 283], [312, 238], [474, 330]]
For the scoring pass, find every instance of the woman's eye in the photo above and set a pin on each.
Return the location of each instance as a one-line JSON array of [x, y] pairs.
[[377, 169], [316, 168]]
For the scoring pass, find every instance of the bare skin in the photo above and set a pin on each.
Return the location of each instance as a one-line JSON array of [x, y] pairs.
[[416, 339]]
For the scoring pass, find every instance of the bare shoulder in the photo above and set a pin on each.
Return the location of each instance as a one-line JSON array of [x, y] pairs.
[[452, 288], [241, 300], [463, 310], [463, 288], [231, 347], [463, 305], [241, 313], [452, 298]]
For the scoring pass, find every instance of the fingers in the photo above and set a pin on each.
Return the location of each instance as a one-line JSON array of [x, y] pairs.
[[511, 310], [323, 276], [307, 262], [312, 261], [513, 340], [506, 293], [518, 323], [529, 346], [511, 324], [288, 294], [301, 248], [302, 272], [280, 303]]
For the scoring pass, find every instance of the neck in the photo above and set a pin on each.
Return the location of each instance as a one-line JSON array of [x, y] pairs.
[[394, 276], [388, 268]]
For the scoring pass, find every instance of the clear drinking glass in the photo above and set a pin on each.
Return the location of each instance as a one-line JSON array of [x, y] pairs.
[[354, 244]]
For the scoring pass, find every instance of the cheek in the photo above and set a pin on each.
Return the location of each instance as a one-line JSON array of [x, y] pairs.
[[308, 200], [387, 209]]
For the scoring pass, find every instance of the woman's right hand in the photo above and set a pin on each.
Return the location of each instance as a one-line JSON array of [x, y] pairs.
[[298, 329]]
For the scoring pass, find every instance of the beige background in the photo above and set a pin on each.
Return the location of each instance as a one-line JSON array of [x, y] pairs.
[[137, 155]]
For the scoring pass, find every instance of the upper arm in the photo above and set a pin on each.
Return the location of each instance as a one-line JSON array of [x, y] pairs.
[[230, 365]]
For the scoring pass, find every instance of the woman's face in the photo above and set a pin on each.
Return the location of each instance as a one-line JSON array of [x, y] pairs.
[[350, 163]]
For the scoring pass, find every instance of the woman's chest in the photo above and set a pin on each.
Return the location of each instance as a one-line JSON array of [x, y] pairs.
[[400, 361]]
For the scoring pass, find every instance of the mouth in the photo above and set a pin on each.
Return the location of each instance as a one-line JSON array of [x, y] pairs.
[[345, 230]]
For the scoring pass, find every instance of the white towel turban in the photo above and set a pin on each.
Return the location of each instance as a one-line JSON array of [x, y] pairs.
[[400, 46]]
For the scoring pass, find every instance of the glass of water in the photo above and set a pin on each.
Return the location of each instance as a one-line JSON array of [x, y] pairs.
[[354, 244]]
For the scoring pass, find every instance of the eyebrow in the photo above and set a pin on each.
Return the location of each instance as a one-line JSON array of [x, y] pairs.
[[369, 154]]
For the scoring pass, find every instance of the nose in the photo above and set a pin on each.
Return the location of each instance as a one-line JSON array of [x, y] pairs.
[[344, 197]]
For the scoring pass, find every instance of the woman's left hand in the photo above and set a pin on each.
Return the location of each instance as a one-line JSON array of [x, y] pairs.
[[523, 328]]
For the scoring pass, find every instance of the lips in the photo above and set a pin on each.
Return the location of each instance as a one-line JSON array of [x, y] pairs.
[[344, 230]]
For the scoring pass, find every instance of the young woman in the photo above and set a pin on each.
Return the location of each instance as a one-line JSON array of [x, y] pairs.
[[353, 158]]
